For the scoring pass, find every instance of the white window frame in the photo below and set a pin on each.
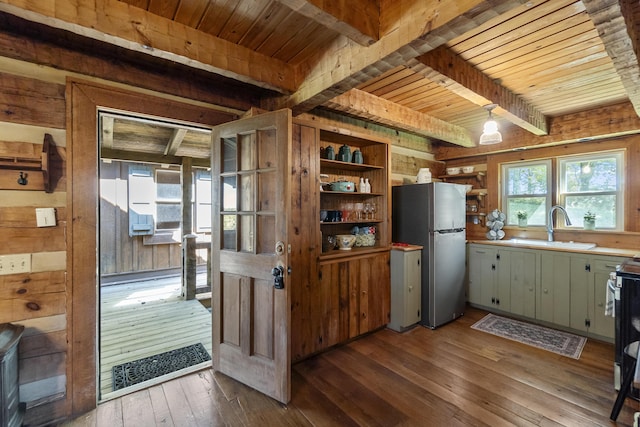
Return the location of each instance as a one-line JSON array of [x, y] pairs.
[[511, 216], [619, 192]]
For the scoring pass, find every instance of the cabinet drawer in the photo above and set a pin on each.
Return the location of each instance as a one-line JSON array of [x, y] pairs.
[[606, 264]]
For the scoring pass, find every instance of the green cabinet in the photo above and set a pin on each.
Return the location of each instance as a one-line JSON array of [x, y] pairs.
[[489, 271], [567, 289], [503, 279], [554, 294]]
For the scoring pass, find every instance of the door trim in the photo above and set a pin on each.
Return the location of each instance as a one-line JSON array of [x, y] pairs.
[[84, 98]]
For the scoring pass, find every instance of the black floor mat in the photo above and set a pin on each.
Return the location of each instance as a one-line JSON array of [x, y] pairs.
[[140, 370]]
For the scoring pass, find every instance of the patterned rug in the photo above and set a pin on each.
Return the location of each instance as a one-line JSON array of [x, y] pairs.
[[140, 370], [559, 342]]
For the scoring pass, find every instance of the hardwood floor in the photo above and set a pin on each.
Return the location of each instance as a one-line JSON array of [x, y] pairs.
[[451, 376]]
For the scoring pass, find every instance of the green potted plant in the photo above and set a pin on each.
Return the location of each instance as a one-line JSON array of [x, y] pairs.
[[522, 218], [589, 221]]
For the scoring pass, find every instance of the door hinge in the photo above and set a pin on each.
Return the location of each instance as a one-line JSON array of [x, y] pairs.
[[497, 256], [587, 323], [493, 266], [587, 267]]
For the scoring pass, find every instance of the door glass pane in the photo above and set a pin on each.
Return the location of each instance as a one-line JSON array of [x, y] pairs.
[[247, 152], [247, 193], [266, 195], [267, 147], [266, 234], [229, 230], [246, 233], [229, 193], [229, 155]]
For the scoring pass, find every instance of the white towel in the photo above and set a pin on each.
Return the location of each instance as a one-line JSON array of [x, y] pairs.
[[609, 306]]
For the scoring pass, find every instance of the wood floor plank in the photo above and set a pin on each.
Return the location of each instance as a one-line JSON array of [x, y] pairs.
[[160, 405], [450, 376]]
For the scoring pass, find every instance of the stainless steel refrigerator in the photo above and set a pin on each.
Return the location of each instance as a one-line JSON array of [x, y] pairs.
[[433, 215]]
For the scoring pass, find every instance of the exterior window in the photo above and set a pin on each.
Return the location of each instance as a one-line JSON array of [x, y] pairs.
[[203, 201], [526, 188], [593, 183], [168, 200]]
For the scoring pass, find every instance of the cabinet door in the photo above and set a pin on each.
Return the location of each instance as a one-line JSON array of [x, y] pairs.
[[405, 288], [600, 324], [482, 269], [579, 305], [369, 293], [554, 291], [523, 283], [502, 288]]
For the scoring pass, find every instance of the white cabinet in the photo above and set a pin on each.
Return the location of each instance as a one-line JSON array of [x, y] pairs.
[[405, 287]]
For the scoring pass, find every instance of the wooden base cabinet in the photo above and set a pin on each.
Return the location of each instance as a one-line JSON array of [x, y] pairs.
[[489, 273], [336, 295], [554, 294]]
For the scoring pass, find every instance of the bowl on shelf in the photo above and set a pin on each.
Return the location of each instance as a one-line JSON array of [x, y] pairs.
[[468, 187], [453, 171], [468, 169], [345, 242]]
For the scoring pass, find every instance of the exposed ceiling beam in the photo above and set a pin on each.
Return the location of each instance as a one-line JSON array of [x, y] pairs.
[[447, 69], [358, 20], [611, 23], [126, 26], [133, 156], [408, 29], [370, 107], [107, 132], [174, 143]]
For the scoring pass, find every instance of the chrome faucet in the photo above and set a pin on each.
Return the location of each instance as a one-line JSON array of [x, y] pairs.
[[567, 221]]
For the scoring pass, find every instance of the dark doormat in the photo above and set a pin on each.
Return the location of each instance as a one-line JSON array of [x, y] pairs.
[[140, 370]]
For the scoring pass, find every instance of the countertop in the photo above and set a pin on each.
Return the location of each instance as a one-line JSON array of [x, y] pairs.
[[597, 250]]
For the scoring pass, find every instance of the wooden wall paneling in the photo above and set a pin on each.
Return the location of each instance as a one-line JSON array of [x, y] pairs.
[[29, 101], [304, 239], [24, 216], [27, 240]]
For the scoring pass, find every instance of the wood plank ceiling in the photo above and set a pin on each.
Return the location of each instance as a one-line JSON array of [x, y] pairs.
[[425, 66]]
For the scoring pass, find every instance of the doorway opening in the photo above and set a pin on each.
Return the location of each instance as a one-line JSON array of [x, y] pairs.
[[154, 254]]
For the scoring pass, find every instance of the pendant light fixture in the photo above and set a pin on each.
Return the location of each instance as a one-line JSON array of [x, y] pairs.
[[490, 133]]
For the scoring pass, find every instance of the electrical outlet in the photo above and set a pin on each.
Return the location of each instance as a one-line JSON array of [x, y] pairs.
[[14, 264]]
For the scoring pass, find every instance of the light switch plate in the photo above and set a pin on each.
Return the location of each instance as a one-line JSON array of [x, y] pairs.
[[14, 264], [45, 217]]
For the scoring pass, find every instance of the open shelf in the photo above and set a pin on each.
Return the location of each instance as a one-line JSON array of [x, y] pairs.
[[337, 164]]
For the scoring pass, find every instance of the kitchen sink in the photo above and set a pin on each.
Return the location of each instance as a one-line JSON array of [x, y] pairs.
[[547, 244]]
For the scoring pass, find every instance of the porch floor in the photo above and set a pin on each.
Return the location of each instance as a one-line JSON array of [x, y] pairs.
[[144, 318]]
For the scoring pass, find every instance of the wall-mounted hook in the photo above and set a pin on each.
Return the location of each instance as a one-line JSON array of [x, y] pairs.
[[23, 179]]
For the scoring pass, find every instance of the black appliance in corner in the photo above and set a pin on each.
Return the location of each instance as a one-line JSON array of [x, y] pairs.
[[627, 321]]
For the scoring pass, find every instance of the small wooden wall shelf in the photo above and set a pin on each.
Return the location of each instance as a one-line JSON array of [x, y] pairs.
[[23, 170]]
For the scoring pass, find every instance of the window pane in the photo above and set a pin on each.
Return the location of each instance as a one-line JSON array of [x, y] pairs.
[[527, 180], [229, 193], [169, 216], [229, 231], [604, 206], [168, 185], [591, 175], [229, 154], [535, 208]]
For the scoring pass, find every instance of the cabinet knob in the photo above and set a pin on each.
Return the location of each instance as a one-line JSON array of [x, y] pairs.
[[546, 291]]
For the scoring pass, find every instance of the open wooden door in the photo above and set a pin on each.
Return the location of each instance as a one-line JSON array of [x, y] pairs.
[[251, 313]]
